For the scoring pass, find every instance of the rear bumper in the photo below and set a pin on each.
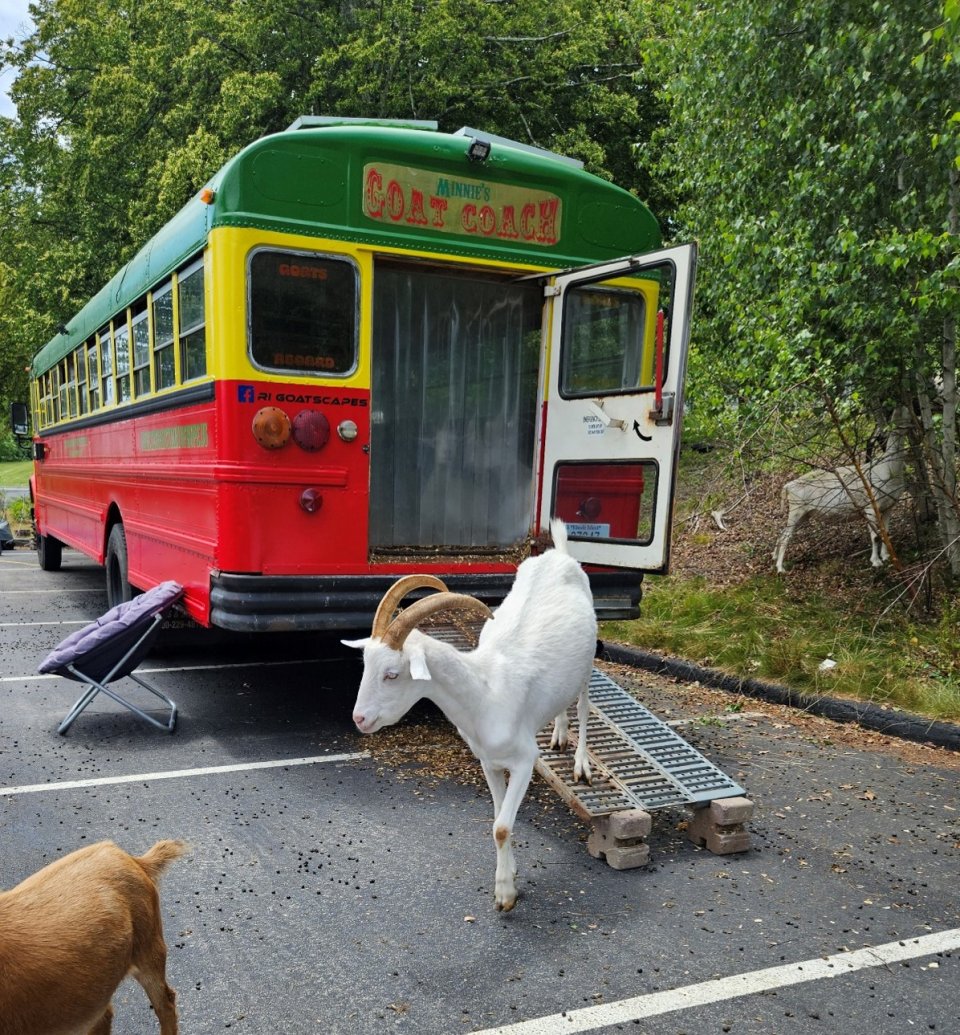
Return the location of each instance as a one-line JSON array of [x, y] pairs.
[[346, 603]]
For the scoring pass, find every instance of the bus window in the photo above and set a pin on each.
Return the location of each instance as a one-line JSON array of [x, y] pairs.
[[93, 375], [121, 342], [46, 389], [193, 355], [603, 340], [164, 372], [81, 355], [141, 354], [106, 366], [303, 312], [70, 386]]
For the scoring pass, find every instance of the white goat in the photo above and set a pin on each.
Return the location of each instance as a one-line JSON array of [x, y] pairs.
[[73, 931], [841, 493], [533, 659]]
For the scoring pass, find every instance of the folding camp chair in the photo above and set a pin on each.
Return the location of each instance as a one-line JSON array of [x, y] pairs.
[[111, 648]]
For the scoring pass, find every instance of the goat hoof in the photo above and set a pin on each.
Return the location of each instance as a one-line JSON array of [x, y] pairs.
[[507, 905]]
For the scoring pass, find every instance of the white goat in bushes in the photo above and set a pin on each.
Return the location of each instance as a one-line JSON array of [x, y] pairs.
[[533, 659], [839, 494]]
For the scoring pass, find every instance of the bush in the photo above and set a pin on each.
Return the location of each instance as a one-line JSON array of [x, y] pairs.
[[11, 449]]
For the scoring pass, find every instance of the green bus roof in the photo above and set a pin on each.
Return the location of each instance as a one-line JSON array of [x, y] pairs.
[[310, 180]]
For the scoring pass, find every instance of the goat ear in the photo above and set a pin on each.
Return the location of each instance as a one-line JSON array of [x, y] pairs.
[[359, 644], [418, 663]]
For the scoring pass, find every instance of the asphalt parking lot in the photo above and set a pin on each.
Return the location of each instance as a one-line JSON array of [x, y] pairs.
[[344, 884]]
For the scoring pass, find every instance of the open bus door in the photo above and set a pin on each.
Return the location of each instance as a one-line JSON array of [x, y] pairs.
[[610, 435]]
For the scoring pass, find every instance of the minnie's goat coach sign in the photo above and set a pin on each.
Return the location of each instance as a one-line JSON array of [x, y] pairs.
[[478, 208]]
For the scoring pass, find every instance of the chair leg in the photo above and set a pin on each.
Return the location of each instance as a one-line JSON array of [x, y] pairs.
[[85, 698], [95, 688]]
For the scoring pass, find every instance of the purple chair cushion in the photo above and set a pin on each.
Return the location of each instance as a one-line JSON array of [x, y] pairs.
[[118, 629]]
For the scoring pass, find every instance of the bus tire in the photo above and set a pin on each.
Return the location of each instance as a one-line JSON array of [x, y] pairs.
[[49, 552], [115, 562]]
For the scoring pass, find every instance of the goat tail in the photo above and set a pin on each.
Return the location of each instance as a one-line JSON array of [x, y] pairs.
[[559, 532], [158, 858]]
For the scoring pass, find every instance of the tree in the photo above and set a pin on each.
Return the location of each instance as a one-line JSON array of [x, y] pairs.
[[801, 143], [125, 109]]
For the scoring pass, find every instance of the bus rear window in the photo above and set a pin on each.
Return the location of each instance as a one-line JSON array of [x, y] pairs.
[[303, 312]]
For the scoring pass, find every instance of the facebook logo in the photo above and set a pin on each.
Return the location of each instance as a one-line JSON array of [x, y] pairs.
[[245, 393]]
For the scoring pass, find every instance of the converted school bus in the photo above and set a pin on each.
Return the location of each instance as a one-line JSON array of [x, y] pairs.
[[362, 350]]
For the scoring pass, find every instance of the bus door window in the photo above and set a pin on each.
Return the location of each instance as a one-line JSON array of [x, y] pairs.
[[106, 366], [302, 312], [141, 354], [190, 306], [121, 342], [164, 370], [603, 339]]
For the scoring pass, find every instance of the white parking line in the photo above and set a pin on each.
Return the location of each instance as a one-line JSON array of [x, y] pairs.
[[34, 677], [20, 625], [655, 1004], [58, 592], [175, 774]]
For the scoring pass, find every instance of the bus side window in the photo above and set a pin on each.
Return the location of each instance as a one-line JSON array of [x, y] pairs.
[[190, 307], [141, 353], [71, 384], [93, 374], [121, 344], [106, 366], [47, 404], [81, 365], [164, 372]]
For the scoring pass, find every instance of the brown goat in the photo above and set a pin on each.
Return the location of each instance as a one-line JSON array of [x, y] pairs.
[[73, 931]]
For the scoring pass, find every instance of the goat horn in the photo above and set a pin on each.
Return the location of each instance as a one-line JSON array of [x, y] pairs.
[[396, 593], [408, 620]]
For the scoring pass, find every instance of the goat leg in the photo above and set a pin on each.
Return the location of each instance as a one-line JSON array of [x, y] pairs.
[[581, 764], [561, 732], [505, 888]]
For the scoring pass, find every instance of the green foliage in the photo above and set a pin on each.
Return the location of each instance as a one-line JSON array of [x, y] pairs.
[[124, 111], [800, 146]]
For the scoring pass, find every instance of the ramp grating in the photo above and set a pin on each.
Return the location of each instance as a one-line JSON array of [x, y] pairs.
[[637, 760]]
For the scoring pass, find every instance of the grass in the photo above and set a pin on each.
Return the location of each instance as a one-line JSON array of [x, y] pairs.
[[15, 475], [761, 628]]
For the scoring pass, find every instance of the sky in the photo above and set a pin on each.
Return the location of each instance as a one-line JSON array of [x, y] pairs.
[[14, 21]]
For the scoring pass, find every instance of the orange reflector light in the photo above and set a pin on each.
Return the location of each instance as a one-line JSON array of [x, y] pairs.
[[207, 195], [271, 427], [311, 430]]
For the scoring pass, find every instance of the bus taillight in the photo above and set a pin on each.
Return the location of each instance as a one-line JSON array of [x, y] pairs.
[[311, 430], [271, 427]]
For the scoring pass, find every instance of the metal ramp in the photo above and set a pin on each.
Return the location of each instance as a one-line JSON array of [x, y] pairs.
[[638, 761], [639, 765]]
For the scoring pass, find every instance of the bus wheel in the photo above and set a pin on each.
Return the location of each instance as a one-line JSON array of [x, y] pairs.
[[118, 588], [49, 552]]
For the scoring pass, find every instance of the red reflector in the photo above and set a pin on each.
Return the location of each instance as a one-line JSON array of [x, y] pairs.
[[311, 430], [590, 508], [311, 500]]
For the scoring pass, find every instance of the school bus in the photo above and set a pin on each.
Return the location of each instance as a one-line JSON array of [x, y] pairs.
[[366, 349]]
